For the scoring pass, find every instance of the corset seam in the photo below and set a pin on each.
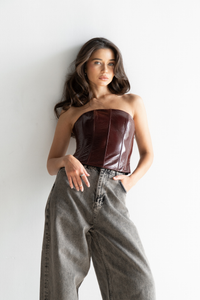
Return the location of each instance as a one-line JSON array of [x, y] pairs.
[[108, 135], [120, 157], [92, 138]]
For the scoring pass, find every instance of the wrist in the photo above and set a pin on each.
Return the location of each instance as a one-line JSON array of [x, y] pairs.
[[65, 159]]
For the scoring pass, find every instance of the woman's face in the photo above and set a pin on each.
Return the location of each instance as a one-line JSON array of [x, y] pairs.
[[100, 67]]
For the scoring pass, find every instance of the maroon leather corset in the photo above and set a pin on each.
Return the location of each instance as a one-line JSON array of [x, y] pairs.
[[104, 138]]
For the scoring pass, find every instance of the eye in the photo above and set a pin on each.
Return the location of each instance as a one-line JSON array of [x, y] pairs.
[[97, 62], [111, 64]]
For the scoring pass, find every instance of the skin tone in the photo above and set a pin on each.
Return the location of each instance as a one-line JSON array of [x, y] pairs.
[[100, 72]]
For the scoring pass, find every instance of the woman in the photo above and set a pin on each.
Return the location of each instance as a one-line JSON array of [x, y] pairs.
[[86, 214]]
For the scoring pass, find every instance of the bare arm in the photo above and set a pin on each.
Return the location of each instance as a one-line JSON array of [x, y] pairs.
[[144, 143], [57, 157], [143, 139]]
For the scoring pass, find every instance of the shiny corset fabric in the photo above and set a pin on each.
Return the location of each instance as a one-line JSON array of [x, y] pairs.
[[104, 138]]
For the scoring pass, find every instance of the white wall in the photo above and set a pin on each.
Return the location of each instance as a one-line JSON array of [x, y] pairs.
[[159, 41]]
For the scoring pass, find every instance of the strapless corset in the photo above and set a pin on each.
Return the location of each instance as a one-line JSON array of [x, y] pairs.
[[104, 138]]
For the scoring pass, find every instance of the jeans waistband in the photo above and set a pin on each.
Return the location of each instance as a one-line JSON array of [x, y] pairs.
[[105, 170]]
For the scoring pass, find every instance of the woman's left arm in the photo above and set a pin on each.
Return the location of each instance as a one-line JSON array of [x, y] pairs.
[[143, 139]]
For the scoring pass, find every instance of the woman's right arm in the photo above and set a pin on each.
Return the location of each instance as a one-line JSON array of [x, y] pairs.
[[57, 157]]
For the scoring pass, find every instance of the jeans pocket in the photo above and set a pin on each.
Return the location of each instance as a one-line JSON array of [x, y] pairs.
[[122, 186]]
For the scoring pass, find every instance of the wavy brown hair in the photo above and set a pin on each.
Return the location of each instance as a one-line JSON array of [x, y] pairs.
[[77, 91]]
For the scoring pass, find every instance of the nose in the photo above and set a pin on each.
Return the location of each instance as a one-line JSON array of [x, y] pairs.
[[104, 68]]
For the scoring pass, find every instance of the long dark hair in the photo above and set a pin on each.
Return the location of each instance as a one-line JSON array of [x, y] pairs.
[[77, 91]]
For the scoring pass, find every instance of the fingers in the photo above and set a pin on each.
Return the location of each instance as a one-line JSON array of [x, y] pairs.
[[119, 177], [76, 179], [70, 181], [78, 183], [84, 177]]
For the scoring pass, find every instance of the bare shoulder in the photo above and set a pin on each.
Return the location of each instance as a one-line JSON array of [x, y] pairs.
[[134, 99], [67, 115], [136, 102]]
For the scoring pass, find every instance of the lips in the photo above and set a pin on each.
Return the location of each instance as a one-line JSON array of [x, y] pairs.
[[103, 77]]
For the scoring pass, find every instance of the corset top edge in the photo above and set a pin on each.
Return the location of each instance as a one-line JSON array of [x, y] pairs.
[[104, 109]]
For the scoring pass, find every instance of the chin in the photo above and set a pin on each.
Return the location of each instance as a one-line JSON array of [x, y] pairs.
[[104, 82], [100, 83]]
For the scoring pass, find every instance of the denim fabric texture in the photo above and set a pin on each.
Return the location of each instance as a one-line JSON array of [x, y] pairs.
[[93, 224]]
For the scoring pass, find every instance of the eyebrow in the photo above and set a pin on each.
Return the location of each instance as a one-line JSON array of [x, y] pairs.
[[101, 59]]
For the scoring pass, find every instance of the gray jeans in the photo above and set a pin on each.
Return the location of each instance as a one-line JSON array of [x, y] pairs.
[[93, 224]]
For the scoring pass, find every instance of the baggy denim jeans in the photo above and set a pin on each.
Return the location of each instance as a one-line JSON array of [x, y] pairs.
[[93, 224]]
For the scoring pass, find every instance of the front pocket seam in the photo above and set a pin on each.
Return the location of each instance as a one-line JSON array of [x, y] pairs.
[[122, 186]]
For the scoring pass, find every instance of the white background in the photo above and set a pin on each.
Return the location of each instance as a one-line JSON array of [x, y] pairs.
[[159, 41]]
